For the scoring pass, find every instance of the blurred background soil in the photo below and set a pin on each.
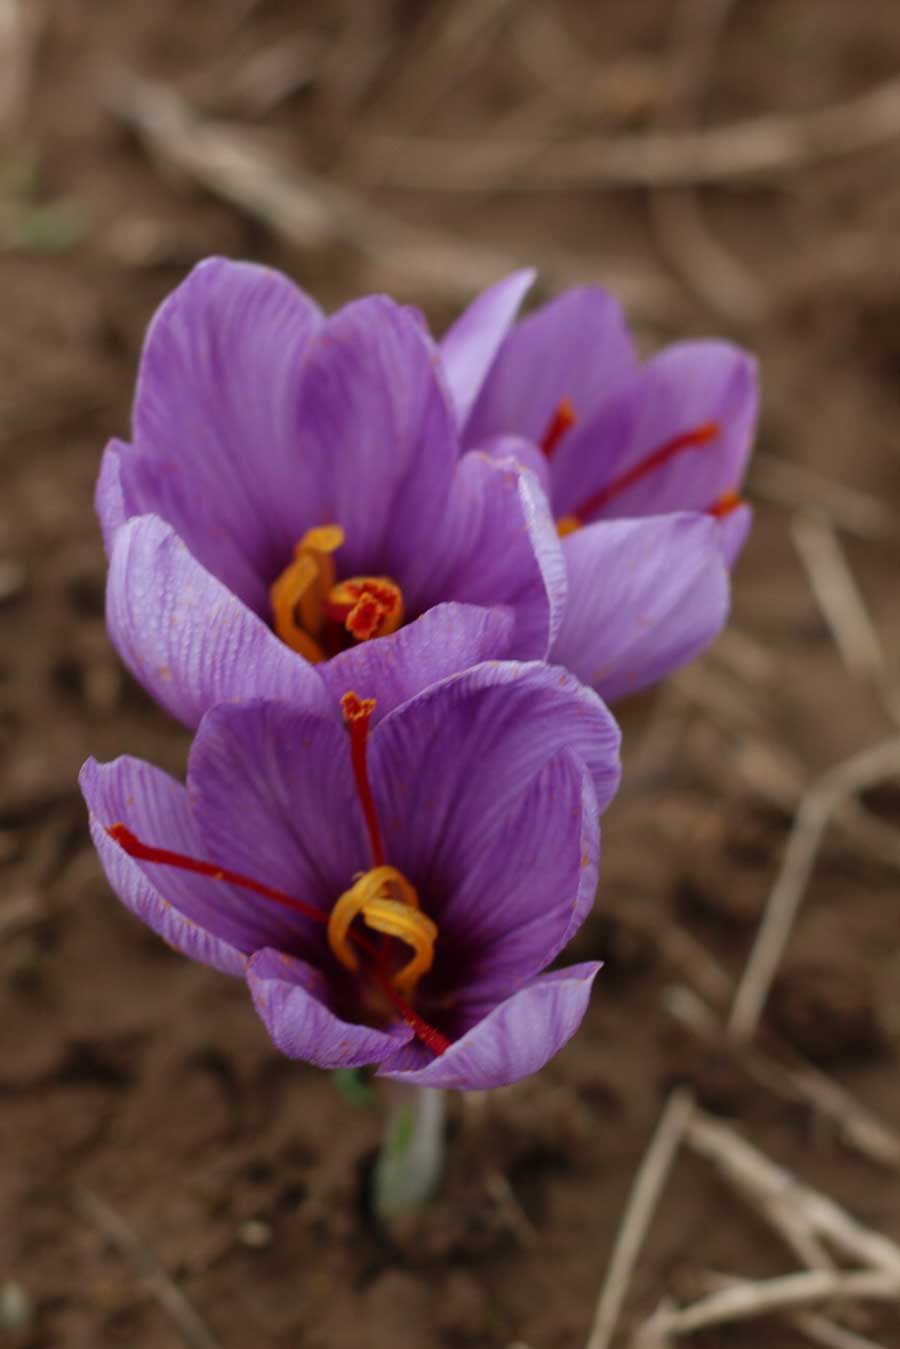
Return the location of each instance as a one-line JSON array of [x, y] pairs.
[[425, 149]]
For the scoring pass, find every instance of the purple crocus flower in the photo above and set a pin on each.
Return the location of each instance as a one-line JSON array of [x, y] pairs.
[[391, 896], [642, 465], [295, 488]]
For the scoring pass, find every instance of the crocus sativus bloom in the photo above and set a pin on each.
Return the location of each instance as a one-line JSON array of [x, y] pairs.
[[391, 893], [642, 463]]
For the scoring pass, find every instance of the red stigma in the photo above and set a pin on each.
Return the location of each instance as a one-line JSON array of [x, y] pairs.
[[431, 1038], [134, 847], [723, 505], [563, 418], [145, 852], [357, 715], [689, 440]]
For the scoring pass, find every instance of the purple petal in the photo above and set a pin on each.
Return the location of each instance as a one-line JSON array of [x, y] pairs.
[[686, 387], [500, 546], [514, 1040], [379, 442], [294, 1000], [506, 910], [470, 345], [186, 638], [446, 640], [109, 500], [273, 797], [575, 347], [645, 596], [733, 531], [450, 766], [522, 452], [203, 919], [217, 427]]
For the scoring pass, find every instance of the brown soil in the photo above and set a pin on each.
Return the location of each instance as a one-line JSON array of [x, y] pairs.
[[129, 1074]]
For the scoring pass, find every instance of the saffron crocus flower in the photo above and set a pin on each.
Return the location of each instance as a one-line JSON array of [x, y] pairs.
[[642, 464], [391, 895], [294, 492]]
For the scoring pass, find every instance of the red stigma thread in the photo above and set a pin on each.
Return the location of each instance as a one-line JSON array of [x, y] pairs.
[[431, 1038], [563, 418], [145, 852], [723, 505], [134, 847], [357, 715], [690, 440]]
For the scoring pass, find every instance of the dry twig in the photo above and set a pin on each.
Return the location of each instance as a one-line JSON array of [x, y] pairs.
[[843, 607], [818, 806], [642, 1202], [312, 214], [684, 238], [764, 147], [744, 1301], [192, 1329], [795, 487], [784, 1072], [770, 1187]]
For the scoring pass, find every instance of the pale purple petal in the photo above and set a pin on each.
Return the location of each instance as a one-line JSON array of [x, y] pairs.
[[203, 919], [217, 431], [511, 1042], [522, 452], [446, 640], [272, 792], [470, 345], [449, 766], [575, 347], [379, 443], [733, 531], [188, 639], [295, 1002], [645, 596], [500, 546], [685, 387], [506, 911], [109, 501], [584, 459]]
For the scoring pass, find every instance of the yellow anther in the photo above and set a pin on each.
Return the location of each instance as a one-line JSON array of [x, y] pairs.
[[298, 594], [387, 903], [410, 926], [567, 524]]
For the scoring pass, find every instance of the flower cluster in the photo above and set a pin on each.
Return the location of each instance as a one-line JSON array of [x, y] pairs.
[[388, 582]]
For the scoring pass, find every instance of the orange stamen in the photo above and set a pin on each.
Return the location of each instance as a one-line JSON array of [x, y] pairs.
[[690, 440], [357, 715], [368, 606], [563, 418], [726, 503], [298, 594]]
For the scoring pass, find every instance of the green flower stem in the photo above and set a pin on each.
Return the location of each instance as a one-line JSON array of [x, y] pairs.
[[411, 1160]]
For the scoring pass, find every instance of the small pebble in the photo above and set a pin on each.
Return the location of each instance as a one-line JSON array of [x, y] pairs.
[[12, 580], [255, 1234], [15, 1307]]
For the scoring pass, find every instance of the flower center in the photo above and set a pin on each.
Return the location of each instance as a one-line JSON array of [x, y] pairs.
[[565, 416], [388, 904], [382, 898], [310, 605]]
